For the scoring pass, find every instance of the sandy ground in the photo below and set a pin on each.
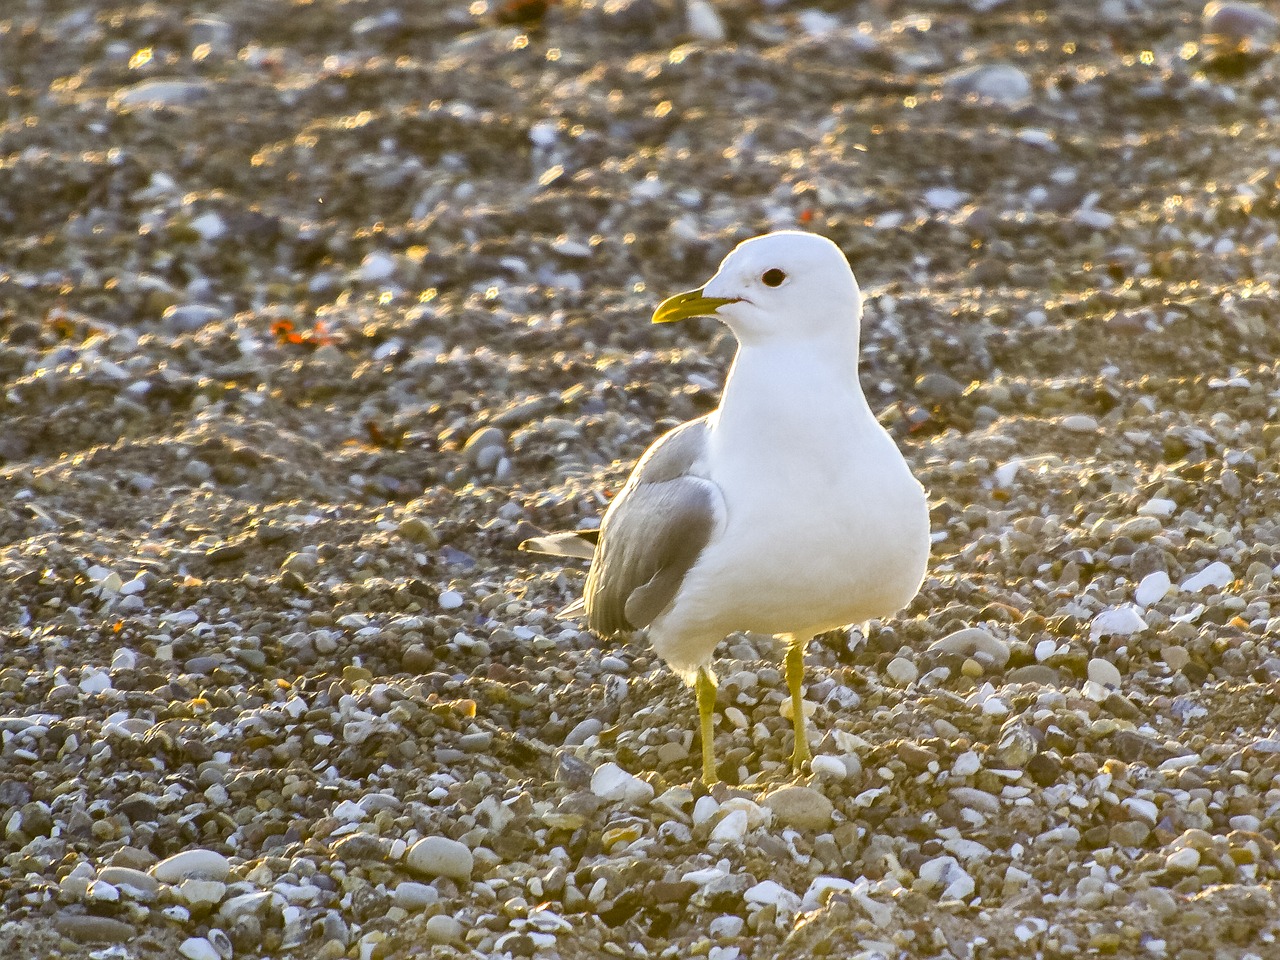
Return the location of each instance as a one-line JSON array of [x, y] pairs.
[[312, 311]]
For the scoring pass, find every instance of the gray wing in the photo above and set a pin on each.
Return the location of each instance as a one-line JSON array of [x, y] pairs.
[[653, 533]]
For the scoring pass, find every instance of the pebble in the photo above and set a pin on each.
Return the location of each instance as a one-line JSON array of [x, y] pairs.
[[135, 883], [1175, 657], [441, 857], [412, 895], [1104, 672], [376, 267], [201, 894], [1079, 423], [731, 828], [703, 22], [611, 783], [938, 386], [92, 929], [583, 731], [902, 671], [198, 948], [967, 764], [801, 807], [442, 929], [485, 445], [947, 873], [158, 94], [1116, 622], [772, 892], [1158, 507], [1235, 22], [1183, 861], [438, 298], [974, 642], [946, 199], [1153, 588], [1000, 83], [192, 864], [1215, 575], [1140, 528], [824, 765]]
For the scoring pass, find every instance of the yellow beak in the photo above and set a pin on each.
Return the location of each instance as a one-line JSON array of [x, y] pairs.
[[689, 304]]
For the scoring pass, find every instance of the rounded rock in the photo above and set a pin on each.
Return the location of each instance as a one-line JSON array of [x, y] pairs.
[[443, 929], [198, 948], [974, 642], [801, 807], [902, 671], [192, 864], [441, 857]]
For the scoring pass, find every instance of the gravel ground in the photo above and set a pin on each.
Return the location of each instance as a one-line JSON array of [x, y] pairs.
[[311, 312]]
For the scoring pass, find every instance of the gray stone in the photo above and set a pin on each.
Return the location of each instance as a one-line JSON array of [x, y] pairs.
[[801, 807], [440, 857]]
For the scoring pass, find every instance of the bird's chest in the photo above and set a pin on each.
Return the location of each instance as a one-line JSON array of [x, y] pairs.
[[811, 498]]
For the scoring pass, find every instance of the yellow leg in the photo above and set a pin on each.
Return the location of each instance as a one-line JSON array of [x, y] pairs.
[[795, 678], [705, 687]]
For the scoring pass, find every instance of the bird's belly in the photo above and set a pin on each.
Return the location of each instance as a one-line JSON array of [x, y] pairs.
[[784, 567]]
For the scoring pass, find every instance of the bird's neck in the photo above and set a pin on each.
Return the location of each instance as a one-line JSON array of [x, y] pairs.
[[795, 386]]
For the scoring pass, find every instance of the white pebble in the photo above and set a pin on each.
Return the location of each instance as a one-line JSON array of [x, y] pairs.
[[441, 857], [1142, 809], [412, 895], [1005, 473], [450, 600], [824, 765], [974, 642], [1216, 574], [1152, 589], [1184, 860], [1157, 507], [583, 731], [967, 764], [1002, 83], [772, 892], [209, 226], [192, 864], [544, 133], [201, 894], [442, 928], [93, 680], [123, 659], [1080, 423], [376, 266], [732, 828], [1094, 220], [902, 671], [704, 809], [1117, 622], [703, 22], [1104, 672], [945, 198], [1234, 22], [198, 948], [994, 707], [1045, 649], [947, 873], [610, 782], [726, 926]]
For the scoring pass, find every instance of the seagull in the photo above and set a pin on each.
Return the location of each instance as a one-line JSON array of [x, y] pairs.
[[788, 510]]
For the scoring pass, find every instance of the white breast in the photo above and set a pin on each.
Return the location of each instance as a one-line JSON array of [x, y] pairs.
[[824, 525]]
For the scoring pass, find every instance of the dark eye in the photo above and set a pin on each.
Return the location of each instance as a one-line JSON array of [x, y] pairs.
[[773, 278]]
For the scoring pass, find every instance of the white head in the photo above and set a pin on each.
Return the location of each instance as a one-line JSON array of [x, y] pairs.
[[790, 284]]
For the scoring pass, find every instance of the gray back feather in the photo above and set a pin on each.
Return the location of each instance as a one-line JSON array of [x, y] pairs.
[[652, 535]]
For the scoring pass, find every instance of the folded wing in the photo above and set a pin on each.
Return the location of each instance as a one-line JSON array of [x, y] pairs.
[[654, 532]]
